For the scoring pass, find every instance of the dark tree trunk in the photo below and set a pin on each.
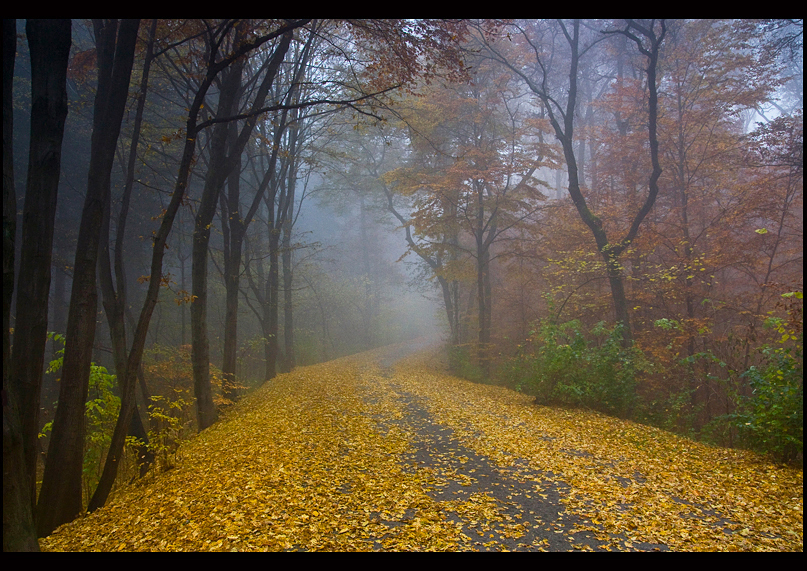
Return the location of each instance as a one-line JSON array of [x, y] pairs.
[[262, 285], [222, 164], [233, 229], [61, 494], [49, 42], [114, 301], [271, 309], [217, 173], [290, 361], [286, 224], [19, 533], [9, 192]]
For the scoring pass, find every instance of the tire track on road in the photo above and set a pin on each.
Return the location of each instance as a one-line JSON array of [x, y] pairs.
[[525, 505]]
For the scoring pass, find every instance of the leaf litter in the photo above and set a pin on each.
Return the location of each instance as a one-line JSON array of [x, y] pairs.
[[359, 455]]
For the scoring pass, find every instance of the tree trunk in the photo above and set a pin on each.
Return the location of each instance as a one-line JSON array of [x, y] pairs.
[[9, 192], [289, 362], [221, 164], [115, 306], [287, 224], [217, 173], [61, 494], [19, 533], [483, 334], [233, 230], [368, 315], [271, 309], [49, 42]]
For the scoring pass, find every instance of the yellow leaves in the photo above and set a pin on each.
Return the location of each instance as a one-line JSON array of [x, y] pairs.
[[184, 297], [314, 460], [175, 136], [162, 213], [165, 280]]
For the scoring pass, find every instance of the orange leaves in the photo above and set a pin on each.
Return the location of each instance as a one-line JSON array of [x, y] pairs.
[[83, 65]]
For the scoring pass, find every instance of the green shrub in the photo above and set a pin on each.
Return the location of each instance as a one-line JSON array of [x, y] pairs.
[[673, 412], [771, 420], [101, 414], [170, 426], [559, 365]]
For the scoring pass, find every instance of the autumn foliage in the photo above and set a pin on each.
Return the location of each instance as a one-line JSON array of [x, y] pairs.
[[605, 216]]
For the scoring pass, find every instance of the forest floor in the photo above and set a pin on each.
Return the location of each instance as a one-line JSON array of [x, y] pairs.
[[384, 451]]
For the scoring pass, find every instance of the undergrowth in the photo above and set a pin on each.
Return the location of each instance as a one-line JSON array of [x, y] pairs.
[[561, 364]]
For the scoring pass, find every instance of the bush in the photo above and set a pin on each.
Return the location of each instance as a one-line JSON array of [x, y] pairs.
[[560, 366], [101, 414], [771, 420], [768, 406], [171, 424]]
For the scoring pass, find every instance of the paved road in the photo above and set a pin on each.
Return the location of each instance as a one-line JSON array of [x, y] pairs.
[[360, 453], [530, 501]]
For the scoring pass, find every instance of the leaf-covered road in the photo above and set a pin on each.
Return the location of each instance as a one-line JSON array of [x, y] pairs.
[[380, 452]]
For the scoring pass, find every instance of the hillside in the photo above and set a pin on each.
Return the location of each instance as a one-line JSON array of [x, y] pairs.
[[378, 452]]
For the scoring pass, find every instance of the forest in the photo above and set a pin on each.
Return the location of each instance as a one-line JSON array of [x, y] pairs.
[[603, 215]]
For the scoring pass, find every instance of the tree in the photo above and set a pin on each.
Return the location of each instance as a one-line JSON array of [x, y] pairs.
[[216, 62], [61, 496], [114, 294], [367, 60], [49, 42], [234, 225], [223, 162], [436, 245], [697, 255], [562, 116], [476, 178]]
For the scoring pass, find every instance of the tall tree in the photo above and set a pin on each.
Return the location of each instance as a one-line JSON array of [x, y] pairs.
[[370, 58], [223, 160], [113, 292], [18, 519], [476, 178], [648, 37], [49, 42], [436, 245], [215, 63], [61, 495], [235, 225], [9, 192]]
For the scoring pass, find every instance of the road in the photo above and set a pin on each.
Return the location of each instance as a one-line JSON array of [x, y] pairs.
[[385, 451], [528, 500]]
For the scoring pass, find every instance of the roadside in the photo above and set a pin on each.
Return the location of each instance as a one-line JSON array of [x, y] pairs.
[[578, 480]]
